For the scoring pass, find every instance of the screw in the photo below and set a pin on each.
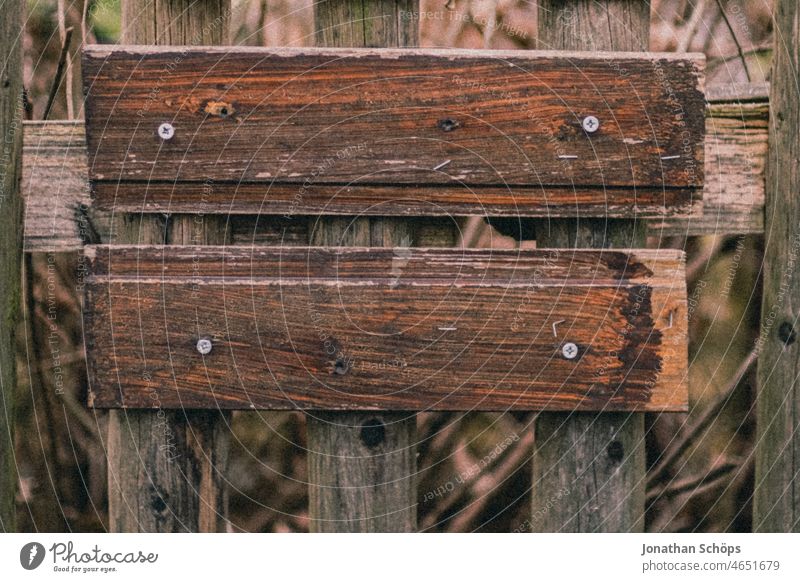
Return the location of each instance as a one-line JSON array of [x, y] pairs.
[[204, 346], [591, 124], [166, 131], [569, 350]]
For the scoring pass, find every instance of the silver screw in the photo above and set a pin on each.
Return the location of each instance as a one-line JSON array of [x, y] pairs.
[[204, 346], [591, 124], [166, 131], [569, 350]]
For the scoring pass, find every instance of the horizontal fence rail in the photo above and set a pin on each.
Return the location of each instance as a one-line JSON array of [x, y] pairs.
[[60, 215], [386, 329]]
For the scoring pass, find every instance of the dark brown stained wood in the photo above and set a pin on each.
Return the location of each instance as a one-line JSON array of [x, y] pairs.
[[312, 131], [378, 329], [733, 194]]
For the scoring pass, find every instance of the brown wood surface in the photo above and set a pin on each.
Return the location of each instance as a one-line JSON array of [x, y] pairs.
[[776, 504], [166, 468], [599, 459], [733, 195], [11, 226], [372, 329], [311, 131]]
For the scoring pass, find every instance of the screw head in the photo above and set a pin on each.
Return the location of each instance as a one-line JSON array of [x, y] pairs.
[[569, 350], [590, 124], [204, 346], [166, 131]]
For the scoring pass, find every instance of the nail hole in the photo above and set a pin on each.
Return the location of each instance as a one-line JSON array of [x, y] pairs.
[[616, 451], [373, 432], [157, 502], [340, 367], [786, 333], [448, 124]]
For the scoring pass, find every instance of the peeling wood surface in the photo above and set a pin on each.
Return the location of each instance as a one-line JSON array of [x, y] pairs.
[[386, 329], [314, 131], [737, 120], [55, 186]]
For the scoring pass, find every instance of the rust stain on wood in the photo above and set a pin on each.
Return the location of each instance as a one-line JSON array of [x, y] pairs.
[[369, 329], [322, 131]]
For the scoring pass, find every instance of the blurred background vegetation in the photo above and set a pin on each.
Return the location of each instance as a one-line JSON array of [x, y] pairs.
[[706, 487]]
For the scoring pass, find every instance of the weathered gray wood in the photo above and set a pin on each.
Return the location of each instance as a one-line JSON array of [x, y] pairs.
[[776, 505], [166, 468], [598, 458], [11, 226], [362, 466]]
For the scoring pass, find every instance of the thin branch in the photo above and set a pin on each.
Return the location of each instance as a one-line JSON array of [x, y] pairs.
[[736, 41], [62, 32], [709, 478], [59, 73], [691, 27], [686, 439]]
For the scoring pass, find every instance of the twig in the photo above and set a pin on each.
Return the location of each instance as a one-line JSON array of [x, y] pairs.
[[59, 73], [685, 440], [735, 41], [714, 475], [692, 26]]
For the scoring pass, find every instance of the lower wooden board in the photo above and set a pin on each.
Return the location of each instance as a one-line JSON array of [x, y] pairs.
[[386, 329]]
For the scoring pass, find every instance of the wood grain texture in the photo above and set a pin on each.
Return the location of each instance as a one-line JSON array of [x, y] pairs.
[[386, 329], [600, 457], [166, 467], [776, 505], [353, 489], [312, 131], [737, 117], [11, 227]]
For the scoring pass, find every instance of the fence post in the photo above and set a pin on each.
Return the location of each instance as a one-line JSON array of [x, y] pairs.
[[166, 467], [776, 506], [589, 469], [10, 244], [362, 466]]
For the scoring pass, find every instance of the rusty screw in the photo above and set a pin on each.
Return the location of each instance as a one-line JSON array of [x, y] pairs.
[[204, 346], [569, 350], [166, 131], [591, 124]]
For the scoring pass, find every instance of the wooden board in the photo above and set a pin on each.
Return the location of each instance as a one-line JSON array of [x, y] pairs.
[[393, 329], [733, 196], [336, 131]]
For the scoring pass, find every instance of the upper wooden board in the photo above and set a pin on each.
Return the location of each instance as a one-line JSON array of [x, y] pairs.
[[394, 131], [386, 329]]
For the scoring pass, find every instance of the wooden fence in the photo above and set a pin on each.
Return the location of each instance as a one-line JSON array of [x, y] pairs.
[[362, 458]]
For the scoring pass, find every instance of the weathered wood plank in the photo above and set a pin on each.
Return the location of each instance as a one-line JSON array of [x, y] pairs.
[[598, 456], [166, 469], [11, 208], [372, 329], [737, 117], [289, 131], [733, 196], [362, 466], [776, 503]]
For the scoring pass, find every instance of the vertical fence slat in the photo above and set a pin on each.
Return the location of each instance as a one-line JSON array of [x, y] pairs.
[[776, 507], [362, 467], [588, 469], [10, 244], [166, 468]]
